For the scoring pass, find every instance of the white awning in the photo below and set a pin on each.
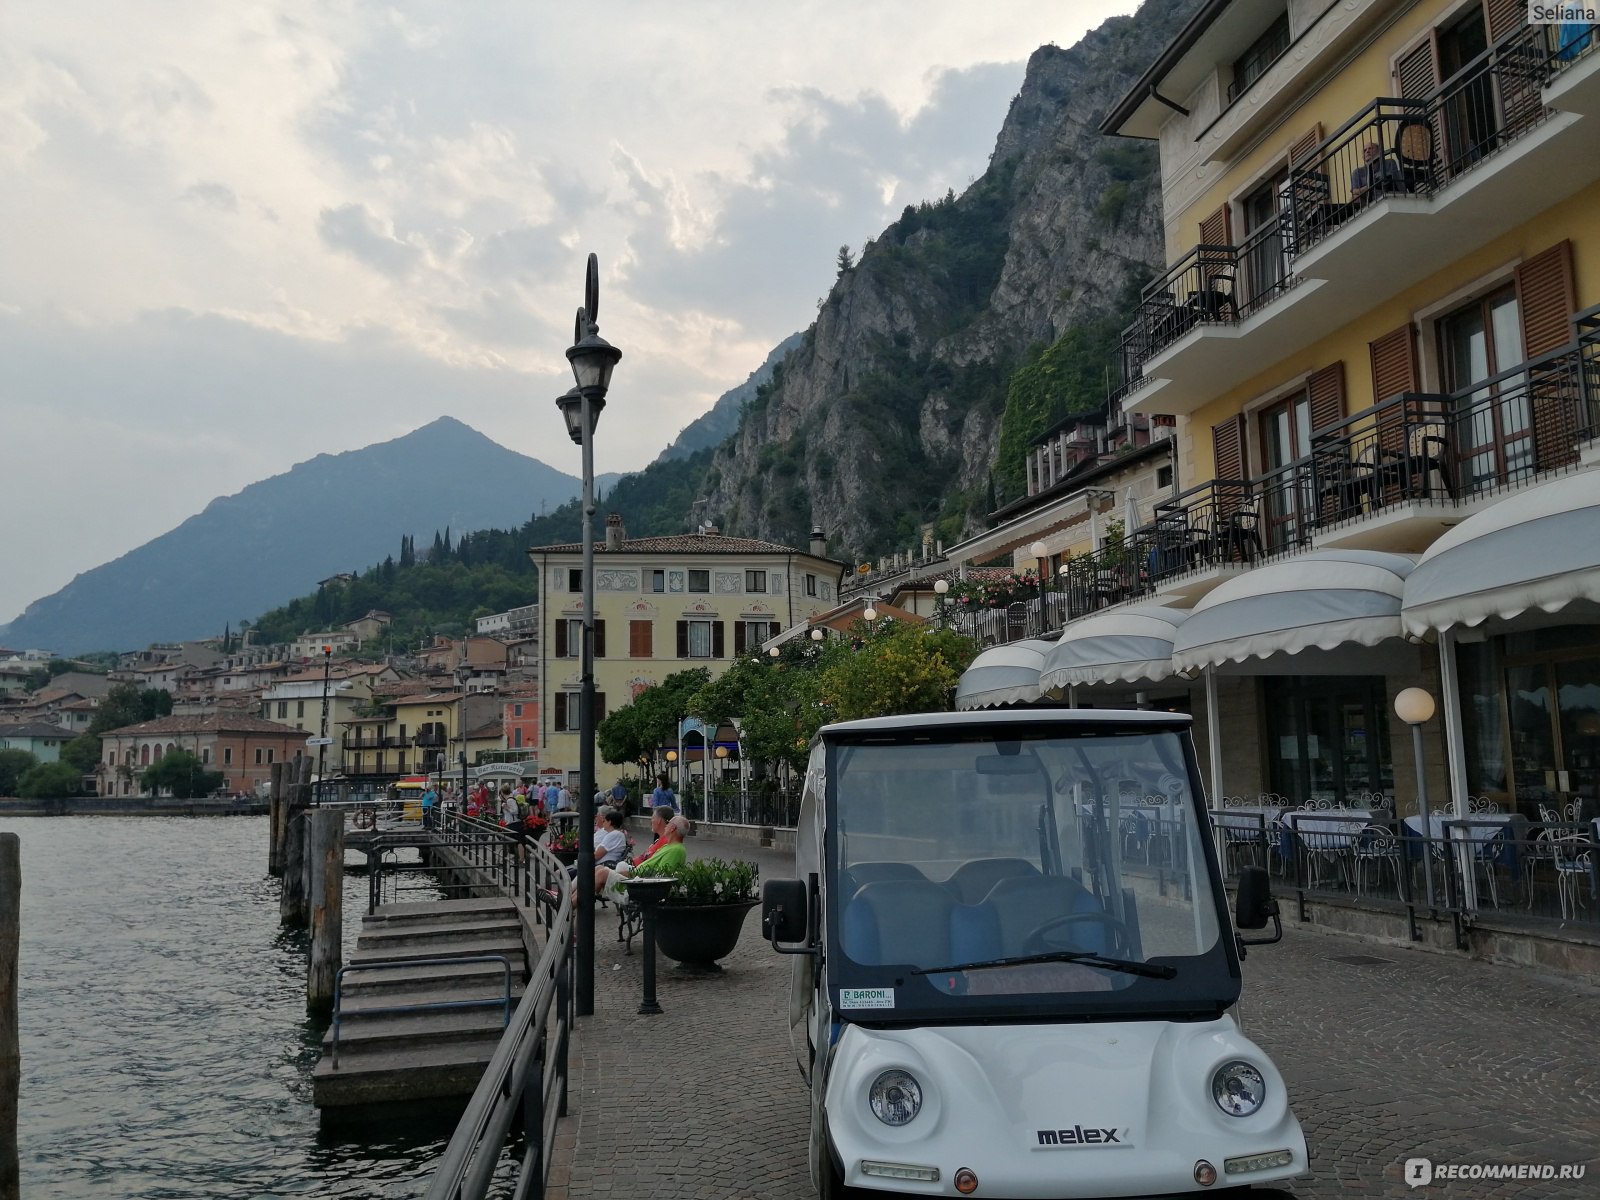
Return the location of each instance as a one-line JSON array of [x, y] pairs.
[[1539, 548], [1003, 675], [1129, 645], [1325, 599]]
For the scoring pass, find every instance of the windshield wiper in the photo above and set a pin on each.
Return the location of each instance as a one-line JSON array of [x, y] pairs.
[[1087, 957]]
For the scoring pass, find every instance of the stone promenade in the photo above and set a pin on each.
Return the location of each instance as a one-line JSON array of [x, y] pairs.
[[1390, 1053]]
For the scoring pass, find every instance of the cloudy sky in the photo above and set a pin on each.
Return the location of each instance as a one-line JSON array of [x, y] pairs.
[[241, 234]]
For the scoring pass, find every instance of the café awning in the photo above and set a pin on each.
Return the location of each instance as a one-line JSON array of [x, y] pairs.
[[1536, 549], [1003, 675], [1130, 645], [1324, 599]]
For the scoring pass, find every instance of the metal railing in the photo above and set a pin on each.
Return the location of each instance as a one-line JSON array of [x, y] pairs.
[[523, 1091], [1198, 289], [1402, 147], [1469, 868]]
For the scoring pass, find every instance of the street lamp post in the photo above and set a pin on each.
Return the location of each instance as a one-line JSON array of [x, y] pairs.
[[1414, 706], [463, 674], [940, 588], [592, 359], [322, 734]]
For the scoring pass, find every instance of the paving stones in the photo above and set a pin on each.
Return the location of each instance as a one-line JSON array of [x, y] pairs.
[[1420, 1054]]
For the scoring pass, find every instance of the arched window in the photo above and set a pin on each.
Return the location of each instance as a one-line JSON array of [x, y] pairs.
[[160, 750], [144, 755]]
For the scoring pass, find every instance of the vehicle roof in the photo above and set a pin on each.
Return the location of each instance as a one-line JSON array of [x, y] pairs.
[[1007, 716]]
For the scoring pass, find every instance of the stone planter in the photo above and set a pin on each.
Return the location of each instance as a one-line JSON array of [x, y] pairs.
[[697, 935]]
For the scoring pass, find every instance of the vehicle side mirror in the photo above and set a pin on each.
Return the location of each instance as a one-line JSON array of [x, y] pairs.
[[1254, 907], [785, 912]]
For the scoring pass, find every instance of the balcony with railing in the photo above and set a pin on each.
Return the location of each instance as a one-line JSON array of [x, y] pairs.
[[1397, 193], [1574, 83]]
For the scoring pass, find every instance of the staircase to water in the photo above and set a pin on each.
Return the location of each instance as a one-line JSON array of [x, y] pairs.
[[435, 961]]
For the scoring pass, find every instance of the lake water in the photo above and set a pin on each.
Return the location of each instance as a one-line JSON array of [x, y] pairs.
[[165, 1047]]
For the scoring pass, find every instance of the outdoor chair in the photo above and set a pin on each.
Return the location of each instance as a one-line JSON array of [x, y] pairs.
[[1414, 149], [1573, 859], [1427, 456], [1376, 848]]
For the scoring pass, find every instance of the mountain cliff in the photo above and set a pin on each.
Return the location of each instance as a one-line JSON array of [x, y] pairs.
[[718, 425], [910, 400], [275, 539]]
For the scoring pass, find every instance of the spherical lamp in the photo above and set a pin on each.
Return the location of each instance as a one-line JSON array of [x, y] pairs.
[[1414, 706]]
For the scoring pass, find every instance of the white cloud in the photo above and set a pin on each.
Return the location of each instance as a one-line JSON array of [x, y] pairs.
[[328, 221]]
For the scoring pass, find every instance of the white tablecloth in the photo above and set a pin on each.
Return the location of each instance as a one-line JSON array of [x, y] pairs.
[[1335, 829], [1483, 827]]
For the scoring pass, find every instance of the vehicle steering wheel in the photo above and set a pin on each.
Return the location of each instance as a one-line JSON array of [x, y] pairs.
[[1039, 941]]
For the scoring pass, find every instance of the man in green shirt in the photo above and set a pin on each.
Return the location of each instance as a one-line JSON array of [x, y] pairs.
[[608, 881]]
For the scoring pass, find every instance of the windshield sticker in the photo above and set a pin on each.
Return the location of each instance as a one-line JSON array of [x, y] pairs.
[[866, 998]]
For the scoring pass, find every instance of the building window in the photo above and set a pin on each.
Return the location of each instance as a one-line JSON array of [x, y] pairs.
[[227, 756], [266, 710], [569, 638], [811, 585], [1255, 62], [1476, 343], [516, 738], [748, 635], [205, 755], [516, 710], [756, 582], [658, 581], [299, 708], [700, 639], [568, 716], [1163, 477], [283, 708], [259, 753], [699, 581], [641, 639]]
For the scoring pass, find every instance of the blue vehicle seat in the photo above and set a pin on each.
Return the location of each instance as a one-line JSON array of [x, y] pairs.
[[1021, 905], [898, 921], [972, 881], [852, 878]]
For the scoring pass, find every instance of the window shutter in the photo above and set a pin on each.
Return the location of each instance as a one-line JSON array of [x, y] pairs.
[[1215, 229], [716, 639], [599, 637], [1545, 300], [561, 638], [599, 707], [1394, 363], [772, 629], [558, 718], [1227, 447], [1303, 147], [1415, 73], [641, 639], [683, 639], [1505, 16], [1326, 392], [738, 638]]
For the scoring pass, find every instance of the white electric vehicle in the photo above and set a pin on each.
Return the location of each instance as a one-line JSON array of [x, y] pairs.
[[1015, 973]]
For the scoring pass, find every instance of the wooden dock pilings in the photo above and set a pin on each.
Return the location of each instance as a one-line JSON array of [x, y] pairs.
[[10, 1054], [325, 901]]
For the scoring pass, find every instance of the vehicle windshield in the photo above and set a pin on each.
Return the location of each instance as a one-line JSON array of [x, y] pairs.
[[1079, 850]]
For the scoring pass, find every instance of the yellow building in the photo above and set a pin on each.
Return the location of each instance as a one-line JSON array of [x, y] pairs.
[[1380, 324], [662, 605]]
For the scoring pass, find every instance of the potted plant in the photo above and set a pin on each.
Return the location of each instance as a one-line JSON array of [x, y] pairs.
[[700, 919], [562, 841]]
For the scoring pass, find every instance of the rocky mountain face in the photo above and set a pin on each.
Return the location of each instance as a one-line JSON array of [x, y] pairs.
[[718, 425], [892, 413], [275, 539]]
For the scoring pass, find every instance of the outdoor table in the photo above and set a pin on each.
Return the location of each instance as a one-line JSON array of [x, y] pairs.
[[1245, 822]]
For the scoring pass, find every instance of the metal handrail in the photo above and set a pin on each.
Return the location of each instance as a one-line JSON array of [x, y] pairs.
[[528, 1071], [431, 1006]]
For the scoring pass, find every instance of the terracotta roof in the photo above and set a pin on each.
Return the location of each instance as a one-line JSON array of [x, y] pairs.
[[488, 729], [36, 729], [681, 543], [210, 723]]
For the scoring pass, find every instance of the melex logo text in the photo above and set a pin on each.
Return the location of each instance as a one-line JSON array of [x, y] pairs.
[[1079, 1136], [1553, 12]]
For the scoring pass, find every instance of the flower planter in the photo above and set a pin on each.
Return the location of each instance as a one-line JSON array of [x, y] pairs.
[[567, 856], [697, 935]]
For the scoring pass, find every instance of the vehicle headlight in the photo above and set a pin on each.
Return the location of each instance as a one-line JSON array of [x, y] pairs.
[[1238, 1088], [896, 1097]]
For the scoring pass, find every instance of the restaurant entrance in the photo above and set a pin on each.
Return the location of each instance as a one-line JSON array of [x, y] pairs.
[[1328, 738]]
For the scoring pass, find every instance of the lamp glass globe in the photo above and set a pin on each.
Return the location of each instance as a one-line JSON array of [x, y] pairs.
[[1414, 706], [870, 613]]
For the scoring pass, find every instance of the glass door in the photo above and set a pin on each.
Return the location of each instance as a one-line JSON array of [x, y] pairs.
[[1495, 433], [1578, 701], [1534, 765], [1285, 441]]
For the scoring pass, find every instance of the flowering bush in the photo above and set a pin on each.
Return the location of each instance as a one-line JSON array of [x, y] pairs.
[[713, 881], [994, 591]]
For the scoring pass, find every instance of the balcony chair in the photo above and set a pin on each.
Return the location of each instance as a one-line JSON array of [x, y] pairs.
[[1427, 455], [1242, 537], [1413, 148]]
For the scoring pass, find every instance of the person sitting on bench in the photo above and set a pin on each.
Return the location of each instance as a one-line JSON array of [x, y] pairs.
[[608, 881], [610, 839]]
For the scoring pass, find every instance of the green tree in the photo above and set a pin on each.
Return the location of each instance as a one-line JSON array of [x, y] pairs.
[[846, 261], [182, 774], [14, 764], [654, 720], [904, 669], [129, 704], [82, 753], [48, 781]]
